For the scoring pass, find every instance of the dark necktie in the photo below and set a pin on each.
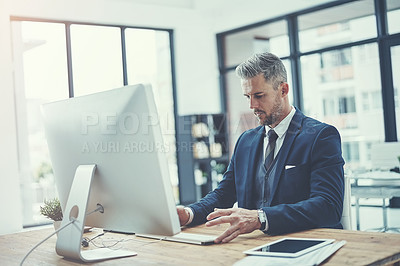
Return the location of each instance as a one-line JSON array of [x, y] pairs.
[[269, 152]]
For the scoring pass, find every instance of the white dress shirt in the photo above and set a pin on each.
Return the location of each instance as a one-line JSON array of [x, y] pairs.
[[280, 130]]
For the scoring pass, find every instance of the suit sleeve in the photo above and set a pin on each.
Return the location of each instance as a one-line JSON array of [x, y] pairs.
[[224, 196], [324, 206]]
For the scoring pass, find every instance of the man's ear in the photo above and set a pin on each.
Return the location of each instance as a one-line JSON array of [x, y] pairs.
[[284, 88]]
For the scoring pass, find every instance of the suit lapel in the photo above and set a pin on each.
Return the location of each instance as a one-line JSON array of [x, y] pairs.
[[293, 130], [257, 142]]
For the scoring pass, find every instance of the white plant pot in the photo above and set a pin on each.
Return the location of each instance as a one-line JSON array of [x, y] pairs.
[[57, 225]]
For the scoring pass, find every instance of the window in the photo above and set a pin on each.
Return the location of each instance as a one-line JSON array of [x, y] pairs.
[[270, 37], [347, 105], [351, 151], [336, 67], [393, 7], [395, 52], [336, 25], [148, 56], [37, 83], [335, 99], [238, 47], [96, 60]]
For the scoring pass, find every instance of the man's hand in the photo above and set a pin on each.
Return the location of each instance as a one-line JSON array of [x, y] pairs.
[[242, 221], [183, 215]]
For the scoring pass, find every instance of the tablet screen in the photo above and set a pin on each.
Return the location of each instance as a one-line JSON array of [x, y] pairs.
[[290, 246]]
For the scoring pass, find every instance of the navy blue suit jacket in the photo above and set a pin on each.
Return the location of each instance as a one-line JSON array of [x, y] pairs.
[[308, 195]]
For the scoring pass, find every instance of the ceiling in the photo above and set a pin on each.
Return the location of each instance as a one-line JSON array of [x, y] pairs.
[[218, 4]]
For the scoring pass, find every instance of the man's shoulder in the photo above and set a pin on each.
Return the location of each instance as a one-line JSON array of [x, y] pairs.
[[303, 121], [249, 135], [253, 132], [310, 124]]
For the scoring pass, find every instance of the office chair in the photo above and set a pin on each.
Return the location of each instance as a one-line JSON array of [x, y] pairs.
[[346, 214]]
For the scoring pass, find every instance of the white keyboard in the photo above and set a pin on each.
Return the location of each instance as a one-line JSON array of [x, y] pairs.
[[190, 238]]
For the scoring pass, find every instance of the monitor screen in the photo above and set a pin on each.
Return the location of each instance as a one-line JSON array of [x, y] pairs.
[[118, 131]]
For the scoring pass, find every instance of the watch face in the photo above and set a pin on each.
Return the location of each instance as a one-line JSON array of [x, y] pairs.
[[261, 216]]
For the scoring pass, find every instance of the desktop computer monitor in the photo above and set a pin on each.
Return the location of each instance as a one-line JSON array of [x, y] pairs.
[[117, 135]]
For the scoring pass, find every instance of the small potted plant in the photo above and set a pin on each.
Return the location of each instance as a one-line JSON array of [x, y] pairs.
[[52, 210]]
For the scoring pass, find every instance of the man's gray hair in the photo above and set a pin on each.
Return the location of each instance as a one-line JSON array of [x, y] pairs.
[[268, 64]]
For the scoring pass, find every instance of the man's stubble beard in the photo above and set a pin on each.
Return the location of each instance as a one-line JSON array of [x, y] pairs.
[[273, 117]]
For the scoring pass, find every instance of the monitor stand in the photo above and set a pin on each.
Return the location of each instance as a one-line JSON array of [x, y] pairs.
[[69, 239]]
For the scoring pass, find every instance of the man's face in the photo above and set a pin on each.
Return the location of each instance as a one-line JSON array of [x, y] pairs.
[[266, 103]]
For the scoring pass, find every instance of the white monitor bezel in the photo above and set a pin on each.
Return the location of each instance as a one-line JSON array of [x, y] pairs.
[[64, 140]]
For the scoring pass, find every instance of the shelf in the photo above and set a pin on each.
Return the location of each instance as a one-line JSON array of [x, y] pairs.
[[203, 130]]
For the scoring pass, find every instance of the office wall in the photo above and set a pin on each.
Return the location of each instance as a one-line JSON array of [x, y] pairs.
[[10, 207]]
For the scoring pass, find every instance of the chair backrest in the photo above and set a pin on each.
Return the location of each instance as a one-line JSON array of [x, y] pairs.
[[346, 214]]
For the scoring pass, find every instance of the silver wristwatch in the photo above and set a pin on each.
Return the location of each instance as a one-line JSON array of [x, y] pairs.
[[263, 219]]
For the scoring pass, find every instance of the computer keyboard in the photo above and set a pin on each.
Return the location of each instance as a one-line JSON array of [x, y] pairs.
[[189, 238]]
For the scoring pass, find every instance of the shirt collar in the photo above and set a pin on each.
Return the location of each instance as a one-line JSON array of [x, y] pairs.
[[283, 126]]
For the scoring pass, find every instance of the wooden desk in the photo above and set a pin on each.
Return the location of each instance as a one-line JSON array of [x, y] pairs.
[[362, 248]]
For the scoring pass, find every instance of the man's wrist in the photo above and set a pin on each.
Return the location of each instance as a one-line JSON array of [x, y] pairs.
[[262, 217], [191, 215]]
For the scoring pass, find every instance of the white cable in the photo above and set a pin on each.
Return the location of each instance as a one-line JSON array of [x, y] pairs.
[[99, 208], [41, 242]]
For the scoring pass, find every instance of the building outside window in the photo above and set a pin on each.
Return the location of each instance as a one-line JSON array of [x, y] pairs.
[[393, 15]]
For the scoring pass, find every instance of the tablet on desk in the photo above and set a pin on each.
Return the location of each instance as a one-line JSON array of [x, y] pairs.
[[289, 247]]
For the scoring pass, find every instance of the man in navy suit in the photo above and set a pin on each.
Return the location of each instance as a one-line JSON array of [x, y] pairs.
[[302, 184]]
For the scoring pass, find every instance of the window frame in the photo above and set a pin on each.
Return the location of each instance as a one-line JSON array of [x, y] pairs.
[[383, 39], [68, 24]]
